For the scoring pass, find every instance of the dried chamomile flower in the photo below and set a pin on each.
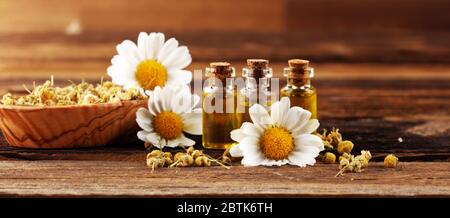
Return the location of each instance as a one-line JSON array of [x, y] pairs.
[[325, 139], [168, 158], [178, 156], [190, 150], [226, 160], [350, 163], [344, 163], [182, 160], [75, 94], [202, 161], [327, 145], [329, 158], [390, 161], [366, 154], [8, 99], [335, 137], [185, 161], [361, 162], [345, 147], [158, 158], [154, 153], [191, 157], [154, 162], [196, 153]]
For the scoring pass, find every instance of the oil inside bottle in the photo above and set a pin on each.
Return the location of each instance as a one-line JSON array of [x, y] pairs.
[[257, 77], [299, 88], [219, 107]]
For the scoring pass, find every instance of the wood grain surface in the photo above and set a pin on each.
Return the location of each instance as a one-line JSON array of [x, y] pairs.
[[373, 104], [69, 126], [125, 179], [382, 75]]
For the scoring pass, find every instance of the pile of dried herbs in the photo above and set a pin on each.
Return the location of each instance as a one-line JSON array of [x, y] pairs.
[[75, 94]]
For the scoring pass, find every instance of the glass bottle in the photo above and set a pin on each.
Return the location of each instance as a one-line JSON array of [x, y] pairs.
[[299, 88], [219, 106], [257, 77]]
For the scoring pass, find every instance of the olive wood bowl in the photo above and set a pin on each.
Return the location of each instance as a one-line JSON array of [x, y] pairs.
[[74, 126]]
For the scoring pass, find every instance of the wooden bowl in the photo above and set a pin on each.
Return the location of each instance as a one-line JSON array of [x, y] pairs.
[[69, 126]]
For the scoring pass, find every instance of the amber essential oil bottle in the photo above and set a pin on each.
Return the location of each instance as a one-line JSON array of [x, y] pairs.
[[219, 106], [299, 88], [257, 77]]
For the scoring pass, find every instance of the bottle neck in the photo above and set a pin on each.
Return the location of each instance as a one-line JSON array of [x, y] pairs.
[[302, 82], [299, 79], [220, 78], [257, 77]]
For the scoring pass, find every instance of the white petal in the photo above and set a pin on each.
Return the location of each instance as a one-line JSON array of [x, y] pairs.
[[173, 143], [235, 151], [305, 115], [158, 100], [180, 102], [301, 159], [308, 140], [292, 118], [167, 49], [237, 135], [193, 124], [129, 51], [279, 109], [142, 45], [142, 135], [186, 141], [167, 95], [153, 138], [260, 116], [179, 58], [251, 130], [270, 162], [252, 157], [156, 42], [249, 144], [179, 76], [308, 128], [144, 119]]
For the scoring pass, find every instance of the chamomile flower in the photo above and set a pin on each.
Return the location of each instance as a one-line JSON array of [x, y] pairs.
[[281, 137], [171, 111], [150, 63]]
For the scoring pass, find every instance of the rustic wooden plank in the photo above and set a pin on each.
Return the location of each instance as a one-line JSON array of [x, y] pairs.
[[35, 31], [373, 104], [363, 46], [193, 15], [123, 178]]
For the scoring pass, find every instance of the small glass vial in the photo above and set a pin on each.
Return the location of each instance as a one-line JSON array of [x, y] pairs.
[[299, 88], [257, 77], [219, 106]]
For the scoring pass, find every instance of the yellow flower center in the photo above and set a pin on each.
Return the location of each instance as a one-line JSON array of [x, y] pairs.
[[168, 125], [151, 73], [276, 143]]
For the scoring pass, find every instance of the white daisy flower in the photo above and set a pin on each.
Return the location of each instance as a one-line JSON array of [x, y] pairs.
[[171, 111], [150, 63], [283, 137]]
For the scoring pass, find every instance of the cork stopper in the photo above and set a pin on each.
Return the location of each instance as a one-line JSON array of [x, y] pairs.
[[257, 68], [220, 66], [298, 72], [258, 63], [298, 65], [221, 70]]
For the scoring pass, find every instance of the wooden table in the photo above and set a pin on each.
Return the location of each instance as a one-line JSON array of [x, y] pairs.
[[385, 108]]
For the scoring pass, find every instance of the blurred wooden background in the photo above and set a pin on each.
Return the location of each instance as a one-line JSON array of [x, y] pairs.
[[382, 74], [46, 35]]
